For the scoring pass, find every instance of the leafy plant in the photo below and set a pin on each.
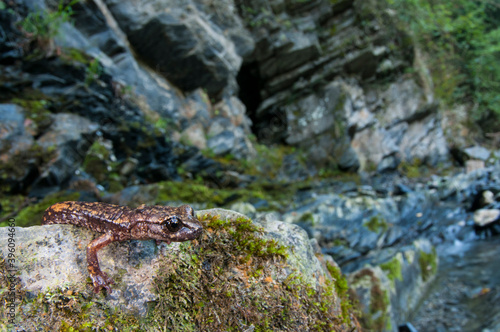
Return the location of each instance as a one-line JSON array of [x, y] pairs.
[[44, 24], [94, 70], [463, 37]]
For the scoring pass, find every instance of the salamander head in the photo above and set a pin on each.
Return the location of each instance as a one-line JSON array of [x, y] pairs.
[[167, 223]]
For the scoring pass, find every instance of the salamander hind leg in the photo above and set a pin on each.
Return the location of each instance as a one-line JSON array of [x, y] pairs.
[[99, 278]]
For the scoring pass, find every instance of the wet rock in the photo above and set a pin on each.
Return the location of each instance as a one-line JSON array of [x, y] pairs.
[[246, 209], [407, 327], [134, 196], [473, 165], [364, 63], [405, 102], [373, 146], [294, 48], [228, 139], [11, 123], [485, 217]]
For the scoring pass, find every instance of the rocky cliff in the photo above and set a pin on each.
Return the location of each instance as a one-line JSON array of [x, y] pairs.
[[327, 78]]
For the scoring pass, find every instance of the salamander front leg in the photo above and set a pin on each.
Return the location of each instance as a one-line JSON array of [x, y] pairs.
[[99, 278]]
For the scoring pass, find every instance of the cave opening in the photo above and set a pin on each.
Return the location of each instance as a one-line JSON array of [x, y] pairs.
[[250, 84]]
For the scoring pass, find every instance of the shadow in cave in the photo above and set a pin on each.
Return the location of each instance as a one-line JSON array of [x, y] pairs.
[[250, 84], [268, 126]]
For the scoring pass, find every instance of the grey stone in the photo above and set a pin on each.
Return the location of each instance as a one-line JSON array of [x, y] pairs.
[[397, 289], [484, 217], [11, 122], [71, 135], [180, 43], [222, 143], [477, 152]]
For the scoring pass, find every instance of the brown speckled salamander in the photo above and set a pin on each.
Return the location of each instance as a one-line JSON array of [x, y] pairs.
[[119, 223]]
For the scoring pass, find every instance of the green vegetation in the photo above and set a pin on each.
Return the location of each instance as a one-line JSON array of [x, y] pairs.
[[463, 40], [44, 25], [196, 191], [93, 71], [37, 109], [428, 263], [376, 224], [411, 169], [229, 282], [342, 289], [32, 214], [392, 268]]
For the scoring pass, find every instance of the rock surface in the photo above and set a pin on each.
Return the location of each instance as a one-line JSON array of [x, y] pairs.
[[53, 257]]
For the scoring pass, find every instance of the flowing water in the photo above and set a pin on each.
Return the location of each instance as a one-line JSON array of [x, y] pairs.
[[466, 293]]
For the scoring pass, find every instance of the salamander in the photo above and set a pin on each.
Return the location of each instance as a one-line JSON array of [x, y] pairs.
[[120, 223]]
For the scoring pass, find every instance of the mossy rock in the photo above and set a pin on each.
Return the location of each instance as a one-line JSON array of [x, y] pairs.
[[33, 213], [235, 276]]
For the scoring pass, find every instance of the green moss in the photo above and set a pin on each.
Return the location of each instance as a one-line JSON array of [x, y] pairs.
[[97, 160], [379, 304], [307, 217], [376, 317], [75, 55], [92, 72], [342, 289], [411, 169], [44, 25], [36, 108], [227, 281], [11, 204], [376, 224], [15, 166], [32, 215], [428, 263], [392, 268], [198, 192]]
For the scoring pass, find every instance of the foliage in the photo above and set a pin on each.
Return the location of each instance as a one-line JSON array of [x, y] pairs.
[[46, 24], [93, 71], [463, 38]]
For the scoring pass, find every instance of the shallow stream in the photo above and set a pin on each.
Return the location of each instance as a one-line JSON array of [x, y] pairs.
[[466, 293]]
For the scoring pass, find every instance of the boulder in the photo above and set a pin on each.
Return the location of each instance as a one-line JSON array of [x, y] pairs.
[[53, 271], [484, 217], [478, 153]]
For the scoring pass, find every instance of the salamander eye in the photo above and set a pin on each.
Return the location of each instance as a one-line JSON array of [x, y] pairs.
[[173, 224]]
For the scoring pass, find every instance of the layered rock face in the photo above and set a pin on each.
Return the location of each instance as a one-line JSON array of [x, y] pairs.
[[327, 78], [331, 77], [334, 78]]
